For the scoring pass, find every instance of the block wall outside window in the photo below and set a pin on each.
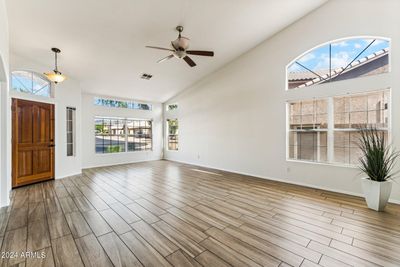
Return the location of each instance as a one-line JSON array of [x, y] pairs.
[[352, 113], [308, 130], [317, 136]]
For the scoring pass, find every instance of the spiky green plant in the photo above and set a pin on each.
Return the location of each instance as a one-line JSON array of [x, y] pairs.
[[378, 158]]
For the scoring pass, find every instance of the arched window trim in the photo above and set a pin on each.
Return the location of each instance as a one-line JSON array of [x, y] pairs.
[[330, 42], [37, 74]]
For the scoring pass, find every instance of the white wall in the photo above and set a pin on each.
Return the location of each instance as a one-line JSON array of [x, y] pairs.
[[235, 119], [66, 94], [90, 111], [5, 179], [4, 45]]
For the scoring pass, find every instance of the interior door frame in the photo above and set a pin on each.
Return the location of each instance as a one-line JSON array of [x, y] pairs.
[[14, 125]]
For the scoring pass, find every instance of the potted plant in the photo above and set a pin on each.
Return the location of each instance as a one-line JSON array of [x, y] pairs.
[[377, 162]]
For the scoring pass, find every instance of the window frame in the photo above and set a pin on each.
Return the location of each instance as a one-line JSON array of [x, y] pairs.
[[72, 132], [30, 93], [167, 107], [125, 135], [301, 130], [331, 126], [130, 104], [140, 128], [337, 41], [168, 135]]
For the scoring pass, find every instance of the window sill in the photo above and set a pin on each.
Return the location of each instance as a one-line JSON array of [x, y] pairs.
[[122, 153], [340, 165]]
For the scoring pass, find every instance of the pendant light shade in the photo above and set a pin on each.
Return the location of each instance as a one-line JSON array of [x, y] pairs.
[[55, 76]]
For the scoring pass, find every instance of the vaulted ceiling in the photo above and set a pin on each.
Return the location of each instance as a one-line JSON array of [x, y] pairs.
[[103, 42]]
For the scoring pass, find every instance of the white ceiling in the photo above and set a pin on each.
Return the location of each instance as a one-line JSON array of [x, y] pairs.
[[103, 42]]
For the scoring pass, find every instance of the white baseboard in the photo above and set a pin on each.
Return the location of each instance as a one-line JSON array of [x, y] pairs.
[[69, 175], [5, 204], [395, 201], [116, 164]]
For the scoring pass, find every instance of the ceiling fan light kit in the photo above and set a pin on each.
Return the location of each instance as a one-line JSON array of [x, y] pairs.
[[56, 76], [180, 49]]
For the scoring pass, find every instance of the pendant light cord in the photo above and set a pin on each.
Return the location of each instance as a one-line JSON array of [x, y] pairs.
[[56, 70]]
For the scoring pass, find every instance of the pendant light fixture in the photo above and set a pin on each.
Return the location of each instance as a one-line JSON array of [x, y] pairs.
[[55, 76]]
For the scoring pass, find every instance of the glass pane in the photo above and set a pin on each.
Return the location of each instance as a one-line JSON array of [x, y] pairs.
[[70, 150], [367, 109], [340, 60], [376, 101], [131, 143], [358, 119], [359, 103], [173, 126], [355, 155], [307, 107], [309, 68], [69, 126], [292, 152], [148, 144], [308, 114], [69, 137], [346, 146], [341, 139], [321, 121], [342, 120], [21, 81], [342, 155], [323, 154], [307, 121], [29, 82], [99, 144], [107, 144], [121, 104], [172, 107], [292, 138], [98, 124], [341, 104], [295, 108], [295, 122], [310, 146]]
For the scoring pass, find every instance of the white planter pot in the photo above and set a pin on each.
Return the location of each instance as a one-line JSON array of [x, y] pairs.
[[376, 193]]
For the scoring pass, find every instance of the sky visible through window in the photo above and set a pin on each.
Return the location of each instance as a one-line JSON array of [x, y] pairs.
[[343, 52], [29, 82]]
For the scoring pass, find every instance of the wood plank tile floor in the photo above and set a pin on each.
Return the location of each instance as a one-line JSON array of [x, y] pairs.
[[164, 213]]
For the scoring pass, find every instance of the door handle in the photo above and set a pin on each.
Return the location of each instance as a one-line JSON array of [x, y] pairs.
[[52, 145]]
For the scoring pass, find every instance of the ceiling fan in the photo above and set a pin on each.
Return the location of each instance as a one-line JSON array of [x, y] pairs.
[[179, 49]]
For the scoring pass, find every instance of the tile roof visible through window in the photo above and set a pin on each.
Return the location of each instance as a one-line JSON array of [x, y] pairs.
[[340, 60]]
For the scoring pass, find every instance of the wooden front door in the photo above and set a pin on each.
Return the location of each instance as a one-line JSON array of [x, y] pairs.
[[32, 142]]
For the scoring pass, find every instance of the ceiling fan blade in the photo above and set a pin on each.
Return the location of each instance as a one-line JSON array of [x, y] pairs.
[[200, 53], [173, 45], [189, 61], [159, 48], [165, 58]]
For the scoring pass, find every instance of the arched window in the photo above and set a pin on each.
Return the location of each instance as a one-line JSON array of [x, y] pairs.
[[339, 60], [30, 82]]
